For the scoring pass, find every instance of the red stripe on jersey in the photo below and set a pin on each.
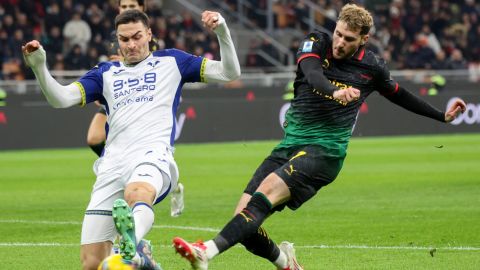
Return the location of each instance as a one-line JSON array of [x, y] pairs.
[[307, 55], [396, 88], [361, 54]]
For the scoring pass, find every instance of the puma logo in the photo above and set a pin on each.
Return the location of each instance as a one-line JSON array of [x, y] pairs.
[[245, 217], [292, 170]]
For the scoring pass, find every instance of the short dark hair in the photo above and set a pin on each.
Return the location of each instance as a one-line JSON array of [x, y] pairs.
[[140, 2], [132, 16]]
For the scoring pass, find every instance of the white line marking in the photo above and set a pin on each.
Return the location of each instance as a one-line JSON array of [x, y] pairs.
[[22, 244], [189, 228], [18, 244], [387, 247]]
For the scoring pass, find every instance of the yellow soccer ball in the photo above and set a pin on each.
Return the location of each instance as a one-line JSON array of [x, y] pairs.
[[115, 262]]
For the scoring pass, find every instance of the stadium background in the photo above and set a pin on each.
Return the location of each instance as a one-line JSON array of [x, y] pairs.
[[400, 203], [432, 48]]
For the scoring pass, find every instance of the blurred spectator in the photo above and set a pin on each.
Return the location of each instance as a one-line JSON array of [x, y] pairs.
[[457, 61], [441, 61], [53, 42], [53, 17], [451, 30], [8, 24], [77, 32], [432, 40], [420, 55], [76, 59]]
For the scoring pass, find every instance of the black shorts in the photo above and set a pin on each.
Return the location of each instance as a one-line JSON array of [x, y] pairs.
[[102, 110], [304, 169]]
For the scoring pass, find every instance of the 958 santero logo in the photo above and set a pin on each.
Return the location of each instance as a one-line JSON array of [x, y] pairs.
[[471, 116], [124, 87]]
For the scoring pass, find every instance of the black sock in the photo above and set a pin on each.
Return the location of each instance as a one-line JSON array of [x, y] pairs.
[[245, 223], [261, 245], [97, 148]]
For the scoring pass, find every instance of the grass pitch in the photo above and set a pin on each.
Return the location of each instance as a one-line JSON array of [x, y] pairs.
[[399, 203]]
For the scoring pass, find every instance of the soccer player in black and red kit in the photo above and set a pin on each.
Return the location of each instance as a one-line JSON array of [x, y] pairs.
[[334, 76]]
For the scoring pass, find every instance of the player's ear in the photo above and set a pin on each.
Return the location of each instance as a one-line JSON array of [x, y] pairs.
[[364, 40], [149, 33]]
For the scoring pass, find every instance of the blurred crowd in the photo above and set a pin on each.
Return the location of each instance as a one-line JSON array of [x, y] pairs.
[[409, 34], [78, 34]]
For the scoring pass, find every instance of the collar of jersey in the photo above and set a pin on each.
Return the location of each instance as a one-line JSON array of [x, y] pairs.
[[136, 63]]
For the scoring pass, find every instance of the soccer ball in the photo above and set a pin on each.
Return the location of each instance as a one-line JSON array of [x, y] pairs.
[[115, 262]]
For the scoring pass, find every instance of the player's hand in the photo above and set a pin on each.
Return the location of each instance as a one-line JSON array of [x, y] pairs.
[[30, 47], [347, 95], [456, 108], [212, 19], [33, 53]]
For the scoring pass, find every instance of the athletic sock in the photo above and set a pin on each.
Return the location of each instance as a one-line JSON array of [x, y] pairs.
[[144, 217], [212, 249], [245, 223], [281, 261], [261, 245]]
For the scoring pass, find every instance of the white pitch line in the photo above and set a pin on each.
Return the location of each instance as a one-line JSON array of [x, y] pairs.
[[387, 247], [21, 244], [18, 244], [190, 228]]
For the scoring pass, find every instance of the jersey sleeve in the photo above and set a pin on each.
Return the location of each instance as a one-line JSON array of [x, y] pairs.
[[191, 67], [385, 83], [91, 84], [314, 45]]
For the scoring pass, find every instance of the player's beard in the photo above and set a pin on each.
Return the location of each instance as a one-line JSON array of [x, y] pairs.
[[135, 55]]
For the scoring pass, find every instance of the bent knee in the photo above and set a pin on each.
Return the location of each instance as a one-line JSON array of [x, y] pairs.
[[139, 192]]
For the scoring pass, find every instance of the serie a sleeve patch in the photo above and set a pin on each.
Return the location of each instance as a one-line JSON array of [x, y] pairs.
[[307, 46]]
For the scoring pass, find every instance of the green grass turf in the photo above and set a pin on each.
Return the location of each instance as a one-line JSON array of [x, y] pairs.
[[395, 200]]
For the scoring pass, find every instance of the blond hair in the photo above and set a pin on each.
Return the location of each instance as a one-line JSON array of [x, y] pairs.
[[356, 18]]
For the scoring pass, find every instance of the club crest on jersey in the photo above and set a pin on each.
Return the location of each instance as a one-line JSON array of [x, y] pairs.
[[307, 46]]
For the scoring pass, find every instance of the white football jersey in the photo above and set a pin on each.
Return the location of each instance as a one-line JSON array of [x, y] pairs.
[[142, 100]]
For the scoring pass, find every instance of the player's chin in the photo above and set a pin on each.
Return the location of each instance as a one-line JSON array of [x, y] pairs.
[[132, 58]]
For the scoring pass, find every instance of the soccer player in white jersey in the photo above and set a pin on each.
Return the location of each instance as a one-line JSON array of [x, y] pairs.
[[141, 95]]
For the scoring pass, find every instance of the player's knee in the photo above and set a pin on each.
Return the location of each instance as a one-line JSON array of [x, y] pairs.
[[139, 192]]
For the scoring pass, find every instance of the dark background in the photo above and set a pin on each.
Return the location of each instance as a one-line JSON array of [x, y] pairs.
[[216, 115]]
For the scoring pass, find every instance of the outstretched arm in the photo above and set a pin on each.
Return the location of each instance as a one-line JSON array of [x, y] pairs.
[[228, 68], [414, 104], [59, 96]]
